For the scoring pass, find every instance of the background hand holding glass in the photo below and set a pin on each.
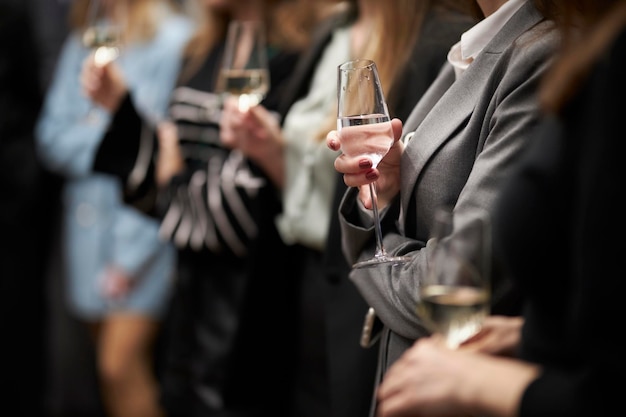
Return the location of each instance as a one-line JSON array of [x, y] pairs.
[[365, 127], [454, 297], [244, 73]]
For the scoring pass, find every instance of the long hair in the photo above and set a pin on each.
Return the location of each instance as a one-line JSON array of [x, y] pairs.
[[587, 28], [397, 28], [400, 21], [397, 25], [289, 24], [211, 28]]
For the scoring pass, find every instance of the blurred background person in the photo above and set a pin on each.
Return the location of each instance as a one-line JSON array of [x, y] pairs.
[[409, 41], [118, 272], [229, 326], [569, 359], [454, 151]]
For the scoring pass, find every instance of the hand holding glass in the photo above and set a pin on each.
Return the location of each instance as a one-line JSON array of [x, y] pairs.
[[454, 297], [365, 126], [104, 32]]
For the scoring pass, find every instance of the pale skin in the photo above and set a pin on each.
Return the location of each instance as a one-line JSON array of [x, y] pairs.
[[358, 171], [257, 134], [435, 381], [499, 335]]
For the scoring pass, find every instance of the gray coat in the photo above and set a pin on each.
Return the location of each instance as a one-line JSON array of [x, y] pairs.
[[464, 137]]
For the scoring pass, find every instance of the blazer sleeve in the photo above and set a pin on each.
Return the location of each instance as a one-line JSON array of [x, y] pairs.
[[127, 151]]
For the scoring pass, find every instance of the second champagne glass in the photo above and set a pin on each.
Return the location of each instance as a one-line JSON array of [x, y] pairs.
[[105, 21], [454, 296], [365, 126], [245, 73]]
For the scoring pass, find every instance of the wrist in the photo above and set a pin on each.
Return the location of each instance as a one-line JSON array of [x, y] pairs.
[[497, 388], [116, 99], [275, 169]]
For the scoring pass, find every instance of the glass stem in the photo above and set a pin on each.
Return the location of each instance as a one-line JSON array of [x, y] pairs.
[[380, 250]]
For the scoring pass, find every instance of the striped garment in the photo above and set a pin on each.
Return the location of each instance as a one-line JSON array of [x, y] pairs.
[[211, 204]]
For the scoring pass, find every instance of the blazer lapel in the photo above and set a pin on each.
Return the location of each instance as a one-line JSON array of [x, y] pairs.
[[448, 104]]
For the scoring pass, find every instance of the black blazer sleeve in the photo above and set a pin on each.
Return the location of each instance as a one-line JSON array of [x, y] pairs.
[[127, 152]]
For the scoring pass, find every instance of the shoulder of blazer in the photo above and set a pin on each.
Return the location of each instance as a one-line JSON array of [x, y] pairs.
[[527, 17]]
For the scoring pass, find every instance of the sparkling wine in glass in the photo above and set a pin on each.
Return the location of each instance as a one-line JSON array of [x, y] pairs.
[[244, 73], [105, 20], [104, 29], [365, 126], [454, 297]]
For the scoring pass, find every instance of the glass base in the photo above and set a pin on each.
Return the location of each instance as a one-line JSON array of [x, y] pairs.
[[380, 260]]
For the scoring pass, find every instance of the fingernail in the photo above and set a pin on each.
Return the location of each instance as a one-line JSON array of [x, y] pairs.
[[365, 163], [371, 175]]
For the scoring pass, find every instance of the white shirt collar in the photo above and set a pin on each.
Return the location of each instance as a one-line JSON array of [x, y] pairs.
[[476, 38]]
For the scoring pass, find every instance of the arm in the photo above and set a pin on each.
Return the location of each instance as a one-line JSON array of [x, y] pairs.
[[430, 379], [499, 335]]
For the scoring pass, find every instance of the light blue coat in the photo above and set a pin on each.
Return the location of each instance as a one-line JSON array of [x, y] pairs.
[[99, 230]]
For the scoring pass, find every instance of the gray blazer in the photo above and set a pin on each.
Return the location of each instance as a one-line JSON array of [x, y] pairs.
[[464, 136]]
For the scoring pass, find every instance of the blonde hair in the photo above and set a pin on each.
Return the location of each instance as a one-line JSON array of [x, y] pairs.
[[142, 17]]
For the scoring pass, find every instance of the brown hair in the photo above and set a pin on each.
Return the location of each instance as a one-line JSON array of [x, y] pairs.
[[402, 24], [397, 26], [587, 27], [289, 24]]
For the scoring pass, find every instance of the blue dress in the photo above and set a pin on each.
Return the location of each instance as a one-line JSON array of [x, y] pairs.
[[99, 229]]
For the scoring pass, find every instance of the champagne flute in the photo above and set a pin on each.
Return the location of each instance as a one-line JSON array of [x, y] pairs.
[[244, 73], [103, 33], [365, 125], [454, 297]]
